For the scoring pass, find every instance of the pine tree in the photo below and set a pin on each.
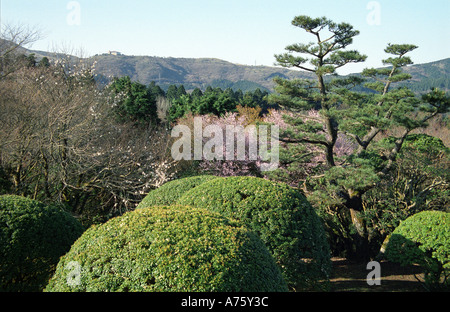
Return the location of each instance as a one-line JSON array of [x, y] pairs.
[[172, 93], [134, 101], [327, 109], [156, 90], [181, 91], [196, 93], [44, 62]]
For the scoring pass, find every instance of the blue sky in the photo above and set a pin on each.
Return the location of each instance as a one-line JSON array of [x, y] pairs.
[[240, 31]]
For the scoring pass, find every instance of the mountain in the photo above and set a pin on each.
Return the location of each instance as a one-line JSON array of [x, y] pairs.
[[191, 72], [203, 72], [429, 75]]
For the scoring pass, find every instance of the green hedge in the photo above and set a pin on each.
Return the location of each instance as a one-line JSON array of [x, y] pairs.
[[280, 215], [169, 193], [168, 249], [423, 239], [33, 236]]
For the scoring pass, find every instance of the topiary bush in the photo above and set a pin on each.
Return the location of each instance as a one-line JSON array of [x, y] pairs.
[[280, 215], [169, 193], [33, 236], [168, 249], [423, 239]]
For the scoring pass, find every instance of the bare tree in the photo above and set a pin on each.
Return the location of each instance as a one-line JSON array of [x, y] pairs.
[[61, 142], [13, 40], [163, 105]]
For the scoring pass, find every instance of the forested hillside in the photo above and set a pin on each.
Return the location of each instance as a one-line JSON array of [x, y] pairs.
[[429, 75], [200, 73], [192, 73], [203, 72]]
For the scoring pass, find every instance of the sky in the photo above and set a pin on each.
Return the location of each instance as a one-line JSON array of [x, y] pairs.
[[246, 32]]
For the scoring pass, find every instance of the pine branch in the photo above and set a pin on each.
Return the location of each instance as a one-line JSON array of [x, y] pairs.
[[305, 68], [304, 140]]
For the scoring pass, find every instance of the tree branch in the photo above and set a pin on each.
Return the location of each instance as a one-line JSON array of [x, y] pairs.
[[290, 140], [305, 68]]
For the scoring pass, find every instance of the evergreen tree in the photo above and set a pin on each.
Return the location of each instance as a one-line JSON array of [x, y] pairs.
[[208, 89], [327, 108], [156, 90], [31, 60], [27, 60], [239, 95], [181, 106], [196, 93], [134, 101], [172, 93], [181, 91], [44, 62], [229, 92]]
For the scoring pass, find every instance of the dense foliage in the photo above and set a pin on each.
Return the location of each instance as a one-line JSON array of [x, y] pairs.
[[418, 181], [423, 239], [170, 192], [133, 100], [33, 236], [280, 215], [169, 249], [216, 101]]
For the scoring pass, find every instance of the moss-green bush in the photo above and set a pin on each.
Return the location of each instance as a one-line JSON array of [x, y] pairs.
[[423, 239], [169, 192], [280, 215], [168, 249], [33, 236]]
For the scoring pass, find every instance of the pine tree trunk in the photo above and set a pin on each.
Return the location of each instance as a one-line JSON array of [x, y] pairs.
[[360, 238]]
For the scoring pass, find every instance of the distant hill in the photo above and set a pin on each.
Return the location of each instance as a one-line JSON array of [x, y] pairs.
[[191, 72], [203, 72], [429, 75]]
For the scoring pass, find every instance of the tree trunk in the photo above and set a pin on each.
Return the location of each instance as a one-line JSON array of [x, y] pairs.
[[330, 124], [360, 238], [17, 179], [333, 133], [360, 251]]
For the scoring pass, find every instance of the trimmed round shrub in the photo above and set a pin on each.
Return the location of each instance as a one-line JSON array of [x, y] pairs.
[[168, 249], [423, 239], [33, 236], [280, 215], [169, 192]]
